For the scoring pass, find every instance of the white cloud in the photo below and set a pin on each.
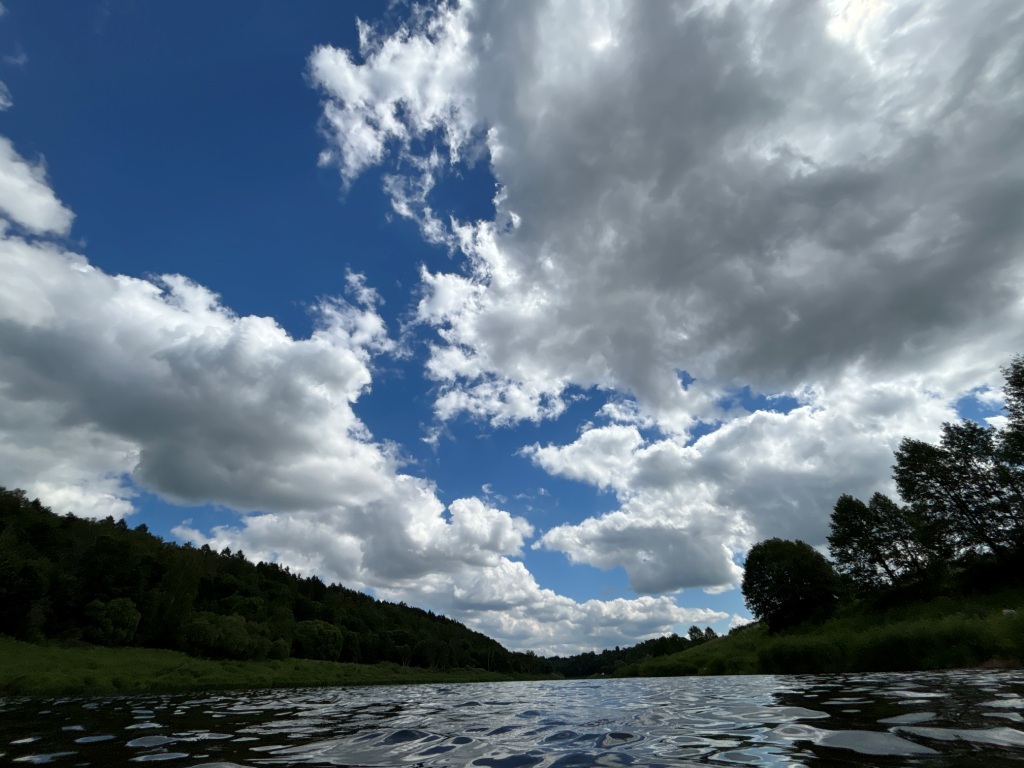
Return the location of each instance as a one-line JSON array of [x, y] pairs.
[[812, 200], [688, 512], [708, 195], [506, 602], [25, 197], [74, 468], [497, 595], [158, 379], [5, 97], [739, 621], [108, 382], [19, 59], [999, 422], [416, 77]]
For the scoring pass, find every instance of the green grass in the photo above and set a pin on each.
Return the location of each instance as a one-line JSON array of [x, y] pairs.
[[45, 670], [944, 633]]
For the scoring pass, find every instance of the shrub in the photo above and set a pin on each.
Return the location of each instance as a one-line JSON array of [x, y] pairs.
[[315, 639], [800, 655]]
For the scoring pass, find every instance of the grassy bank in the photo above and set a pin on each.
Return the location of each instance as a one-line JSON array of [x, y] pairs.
[[940, 634], [43, 670]]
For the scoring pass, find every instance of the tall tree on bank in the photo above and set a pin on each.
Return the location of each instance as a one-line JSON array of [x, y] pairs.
[[1010, 439], [786, 583], [969, 489], [879, 543], [965, 496]]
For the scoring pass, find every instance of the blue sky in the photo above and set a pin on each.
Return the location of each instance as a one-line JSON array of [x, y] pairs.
[[535, 315]]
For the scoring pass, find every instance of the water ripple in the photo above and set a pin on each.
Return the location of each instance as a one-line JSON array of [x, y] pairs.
[[943, 719]]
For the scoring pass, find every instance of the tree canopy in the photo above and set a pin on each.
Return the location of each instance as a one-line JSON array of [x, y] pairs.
[[788, 582], [70, 579], [963, 498], [869, 542]]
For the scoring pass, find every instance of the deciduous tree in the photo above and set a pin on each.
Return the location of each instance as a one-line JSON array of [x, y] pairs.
[[878, 543], [788, 582]]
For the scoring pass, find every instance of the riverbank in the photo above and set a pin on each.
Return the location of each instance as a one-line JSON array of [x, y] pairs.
[[52, 670], [944, 633]]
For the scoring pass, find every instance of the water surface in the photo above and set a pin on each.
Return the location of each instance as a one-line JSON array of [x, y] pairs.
[[963, 718]]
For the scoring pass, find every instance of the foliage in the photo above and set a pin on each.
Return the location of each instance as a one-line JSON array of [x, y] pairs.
[[942, 633], [964, 504], [956, 487], [317, 639], [800, 655], [68, 579], [214, 636], [870, 543], [970, 486], [112, 623], [613, 661], [788, 582]]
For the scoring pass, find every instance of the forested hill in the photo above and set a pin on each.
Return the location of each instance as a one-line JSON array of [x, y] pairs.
[[66, 578]]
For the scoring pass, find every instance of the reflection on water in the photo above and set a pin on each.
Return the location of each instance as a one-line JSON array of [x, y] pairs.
[[963, 718]]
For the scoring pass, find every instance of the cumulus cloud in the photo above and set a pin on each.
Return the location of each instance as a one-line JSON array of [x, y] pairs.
[[687, 512], [158, 379], [109, 383], [700, 207], [755, 193], [74, 468], [26, 198], [817, 200], [507, 602], [739, 621], [414, 88]]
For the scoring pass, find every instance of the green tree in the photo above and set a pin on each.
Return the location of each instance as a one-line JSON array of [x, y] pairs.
[[315, 639], [788, 582], [970, 487], [1013, 396], [960, 487], [112, 623], [22, 587], [68, 578], [1010, 444], [225, 637], [280, 649], [877, 543]]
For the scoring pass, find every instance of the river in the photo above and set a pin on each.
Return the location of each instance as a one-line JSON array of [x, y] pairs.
[[960, 718]]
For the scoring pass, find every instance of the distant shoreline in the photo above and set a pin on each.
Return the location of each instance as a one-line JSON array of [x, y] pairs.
[[29, 669], [941, 634]]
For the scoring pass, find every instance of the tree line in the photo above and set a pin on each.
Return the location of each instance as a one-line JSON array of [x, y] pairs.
[[69, 579], [958, 526], [607, 662]]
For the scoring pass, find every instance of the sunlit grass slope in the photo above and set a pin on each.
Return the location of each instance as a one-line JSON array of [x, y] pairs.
[[27, 668], [940, 634]]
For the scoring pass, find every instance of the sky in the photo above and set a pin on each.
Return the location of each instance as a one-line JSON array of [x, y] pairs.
[[534, 314]]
